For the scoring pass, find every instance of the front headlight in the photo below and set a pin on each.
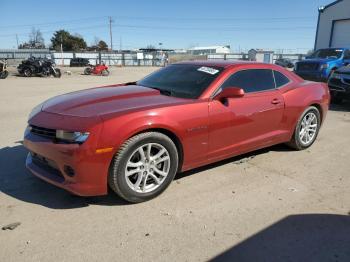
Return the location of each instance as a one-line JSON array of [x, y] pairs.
[[35, 110], [324, 66], [72, 137]]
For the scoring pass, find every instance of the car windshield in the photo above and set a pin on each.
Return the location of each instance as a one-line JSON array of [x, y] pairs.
[[182, 80], [327, 53]]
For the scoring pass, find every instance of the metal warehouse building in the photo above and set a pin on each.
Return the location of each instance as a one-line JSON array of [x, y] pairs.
[[333, 26]]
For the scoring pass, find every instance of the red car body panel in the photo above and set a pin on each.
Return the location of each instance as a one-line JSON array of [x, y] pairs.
[[204, 129]]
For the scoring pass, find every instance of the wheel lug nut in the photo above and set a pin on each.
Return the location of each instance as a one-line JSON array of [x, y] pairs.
[[145, 173]]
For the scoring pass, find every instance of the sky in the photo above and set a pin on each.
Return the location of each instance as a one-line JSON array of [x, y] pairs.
[[275, 24]]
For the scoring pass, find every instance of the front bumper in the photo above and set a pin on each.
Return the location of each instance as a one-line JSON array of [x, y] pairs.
[[76, 168], [312, 75]]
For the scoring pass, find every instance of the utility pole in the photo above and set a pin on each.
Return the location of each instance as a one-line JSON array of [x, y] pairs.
[[120, 44], [62, 50], [17, 40], [110, 32]]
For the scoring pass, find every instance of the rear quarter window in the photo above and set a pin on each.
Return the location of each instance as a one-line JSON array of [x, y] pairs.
[[280, 79]]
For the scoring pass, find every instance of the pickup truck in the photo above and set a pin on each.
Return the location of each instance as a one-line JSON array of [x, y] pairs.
[[322, 63]]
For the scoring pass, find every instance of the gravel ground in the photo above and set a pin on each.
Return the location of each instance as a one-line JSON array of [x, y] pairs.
[[275, 204]]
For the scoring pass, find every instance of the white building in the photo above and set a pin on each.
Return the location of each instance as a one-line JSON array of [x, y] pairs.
[[333, 26], [206, 50]]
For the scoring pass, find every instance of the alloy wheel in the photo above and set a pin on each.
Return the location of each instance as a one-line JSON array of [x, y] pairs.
[[308, 128], [147, 167]]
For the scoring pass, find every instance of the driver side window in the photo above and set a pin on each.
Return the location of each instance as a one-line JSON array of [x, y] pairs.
[[251, 80]]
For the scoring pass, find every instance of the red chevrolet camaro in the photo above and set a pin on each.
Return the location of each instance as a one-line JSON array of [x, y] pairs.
[[135, 137]]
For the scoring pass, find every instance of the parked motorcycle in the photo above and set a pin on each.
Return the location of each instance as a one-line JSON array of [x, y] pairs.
[[97, 70], [3, 69], [38, 66]]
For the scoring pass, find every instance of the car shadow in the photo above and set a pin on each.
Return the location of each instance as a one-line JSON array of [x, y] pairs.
[[307, 237], [17, 182], [235, 160]]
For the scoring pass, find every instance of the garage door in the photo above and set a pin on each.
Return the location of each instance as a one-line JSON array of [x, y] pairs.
[[341, 33]]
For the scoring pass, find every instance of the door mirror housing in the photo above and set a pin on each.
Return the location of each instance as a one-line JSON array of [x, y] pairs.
[[230, 92]]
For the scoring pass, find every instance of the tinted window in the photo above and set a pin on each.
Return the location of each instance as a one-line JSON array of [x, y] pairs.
[[327, 53], [252, 80], [280, 79], [182, 80]]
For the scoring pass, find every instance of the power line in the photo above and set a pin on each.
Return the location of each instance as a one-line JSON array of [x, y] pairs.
[[156, 18], [217, 18], [54, 23]]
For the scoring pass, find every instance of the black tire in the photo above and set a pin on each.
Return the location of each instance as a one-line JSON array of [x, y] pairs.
[[336, 99], [116, 177], [58, 73], [4, 74], [27, 72], [296, 142], [87, 71]]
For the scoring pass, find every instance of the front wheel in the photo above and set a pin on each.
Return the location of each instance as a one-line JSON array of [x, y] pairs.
[[57, 73], [105, 72], [4, 74], [307, 129], [144, 167], [27, 72]]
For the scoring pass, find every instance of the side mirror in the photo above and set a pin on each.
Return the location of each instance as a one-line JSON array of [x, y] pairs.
[[230, 92]]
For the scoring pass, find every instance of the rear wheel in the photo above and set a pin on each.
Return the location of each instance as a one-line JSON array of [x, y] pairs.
[[87, 71], [307, 129], [144, 167], [27, 72]]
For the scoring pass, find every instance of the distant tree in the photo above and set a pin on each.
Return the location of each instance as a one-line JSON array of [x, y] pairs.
[[69, 42], [102, 45], [36, 40], [98, 45]]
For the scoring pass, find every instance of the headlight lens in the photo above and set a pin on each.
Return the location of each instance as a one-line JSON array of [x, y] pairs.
[[72, 137], [324, 66], [35, 110]]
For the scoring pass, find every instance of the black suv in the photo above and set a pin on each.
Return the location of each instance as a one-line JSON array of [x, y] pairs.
[[339, 84], [79, 62], [284, 62]]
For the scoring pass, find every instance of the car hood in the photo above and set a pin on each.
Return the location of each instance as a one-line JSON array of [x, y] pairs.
[[319, 60], [344, 70], [101, 101]]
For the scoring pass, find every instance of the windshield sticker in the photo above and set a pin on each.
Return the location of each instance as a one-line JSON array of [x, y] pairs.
[[208, 70]]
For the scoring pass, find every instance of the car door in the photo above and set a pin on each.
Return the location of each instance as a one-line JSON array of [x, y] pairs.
[[248, 122]]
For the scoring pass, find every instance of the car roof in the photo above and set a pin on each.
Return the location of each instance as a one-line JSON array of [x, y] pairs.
[[221, 63]]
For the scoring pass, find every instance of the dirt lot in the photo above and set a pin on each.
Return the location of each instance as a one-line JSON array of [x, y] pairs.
[[271, 205]]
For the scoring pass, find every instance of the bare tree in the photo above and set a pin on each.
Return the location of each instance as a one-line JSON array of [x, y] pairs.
[[36, 39]]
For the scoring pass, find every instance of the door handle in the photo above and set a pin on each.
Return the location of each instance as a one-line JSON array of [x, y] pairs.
[[275, 101]]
